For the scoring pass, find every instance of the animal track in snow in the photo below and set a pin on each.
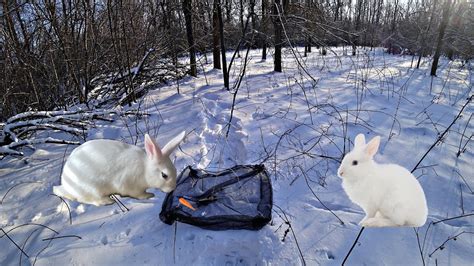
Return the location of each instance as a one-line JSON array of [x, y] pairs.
[[216, 148], [104, 240]]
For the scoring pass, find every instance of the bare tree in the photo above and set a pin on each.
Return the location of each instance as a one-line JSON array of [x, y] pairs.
[[442, 29], [263, 30], [277, 24], [221, 31], [187, 9], [215, 36]]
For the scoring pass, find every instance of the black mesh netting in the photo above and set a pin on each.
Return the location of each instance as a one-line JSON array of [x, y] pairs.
[[236, 198]]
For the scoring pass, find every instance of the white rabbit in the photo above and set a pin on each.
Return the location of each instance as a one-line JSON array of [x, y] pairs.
[[388, 193], [99, 168]]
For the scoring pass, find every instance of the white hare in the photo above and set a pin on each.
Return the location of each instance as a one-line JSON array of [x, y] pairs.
[[388, 193], [99, 168]]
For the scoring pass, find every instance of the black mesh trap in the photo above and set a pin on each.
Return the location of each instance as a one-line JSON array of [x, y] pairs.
[[236, 198]]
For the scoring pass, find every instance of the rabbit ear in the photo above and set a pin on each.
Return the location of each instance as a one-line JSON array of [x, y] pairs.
[[152, 149], [372, 146], [170, 146], [359, 140]]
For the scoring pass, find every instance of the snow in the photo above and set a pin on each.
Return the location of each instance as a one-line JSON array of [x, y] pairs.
[[294, 125]]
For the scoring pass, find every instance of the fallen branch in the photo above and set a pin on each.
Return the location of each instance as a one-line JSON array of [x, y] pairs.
[[19, 128], [10, 149]]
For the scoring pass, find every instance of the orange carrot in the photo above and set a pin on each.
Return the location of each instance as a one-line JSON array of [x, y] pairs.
[[186, 203]]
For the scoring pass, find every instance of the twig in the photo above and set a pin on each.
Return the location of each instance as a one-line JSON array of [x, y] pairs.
[[67, 206], [461, 147], [35, 224], [287, 221], [10, 189], [463, 179], [441, 247], [353, 245], [26, 241], [237, 86], [314, 194], [444, 132], [65, 236], [22, 251], [452, 218], [419, 246], [119, 203], [174, 241]]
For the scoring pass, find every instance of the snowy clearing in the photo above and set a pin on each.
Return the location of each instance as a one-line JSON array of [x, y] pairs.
[[299, 128]]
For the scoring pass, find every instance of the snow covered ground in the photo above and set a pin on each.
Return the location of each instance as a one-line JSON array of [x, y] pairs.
[[295, 123]]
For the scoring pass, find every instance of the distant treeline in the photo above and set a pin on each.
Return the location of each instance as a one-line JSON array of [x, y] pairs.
[[55, 53]]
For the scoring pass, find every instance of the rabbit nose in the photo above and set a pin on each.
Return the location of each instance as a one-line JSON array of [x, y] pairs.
[[341, 173]]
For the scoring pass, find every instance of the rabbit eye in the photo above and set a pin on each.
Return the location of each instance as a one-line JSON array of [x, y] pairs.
[[164, 175], [354, 162]]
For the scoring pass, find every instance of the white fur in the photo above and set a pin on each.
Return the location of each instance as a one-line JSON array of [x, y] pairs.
[[99, 168], [388, 193]]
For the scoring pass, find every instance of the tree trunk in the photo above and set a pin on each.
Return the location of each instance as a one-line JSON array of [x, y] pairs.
[[264, 30], [215, 37], [228, 8], [254, 25], [442, 29], [336, 13], [277, 12], [221, 31], [241, 15], [357, 24], [189, 34], [422, 50]]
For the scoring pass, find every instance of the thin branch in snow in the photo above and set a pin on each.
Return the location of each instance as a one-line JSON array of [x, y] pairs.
[[314, 194], [442, 246], [119, 203], [16, 185], [67, 206], [419, 246], [58, 237], [353, 245], [26, 241], [453, 218], [445, 131], [236, 90], [14, 243], [287, 221], [464, 180], [462, 148]]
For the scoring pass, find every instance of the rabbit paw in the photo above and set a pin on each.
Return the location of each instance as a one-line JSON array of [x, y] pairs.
[[362, 222], [378, 222], [146, 195], [370, 222], [102, 201]]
